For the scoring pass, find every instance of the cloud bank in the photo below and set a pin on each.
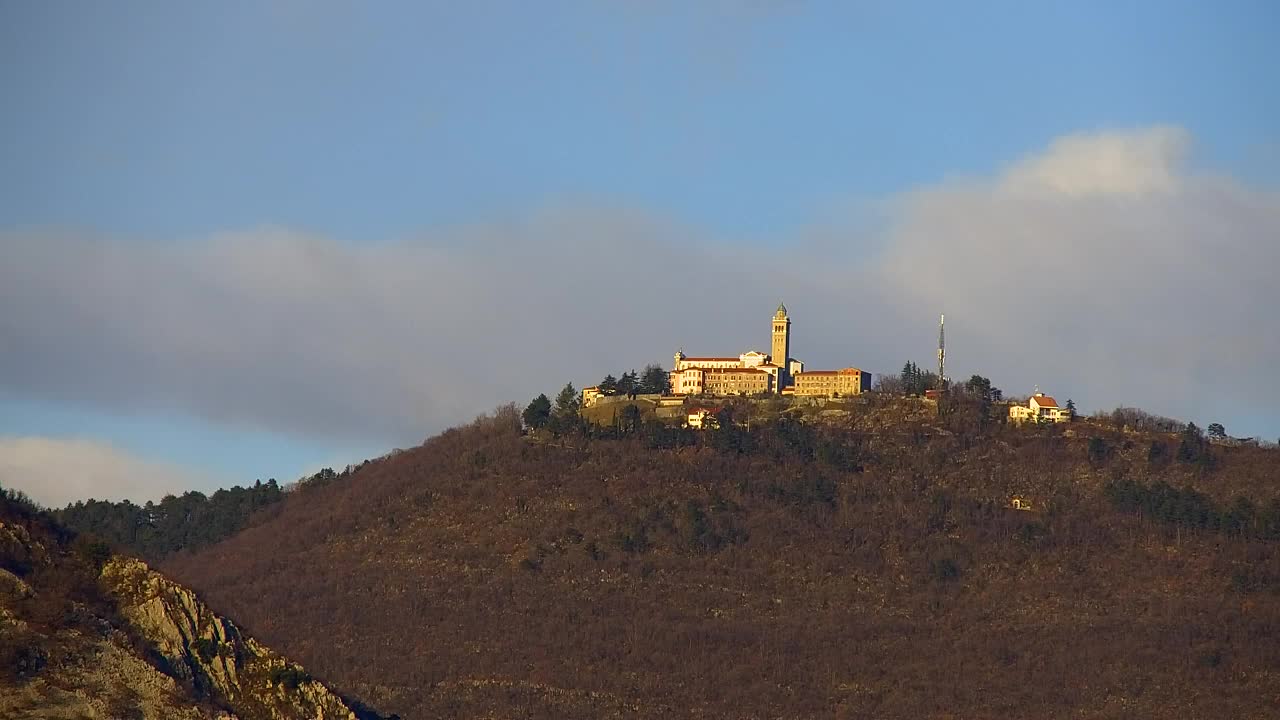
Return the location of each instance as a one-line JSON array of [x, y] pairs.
[[57, 471], [1100, 269], [1103, 269]]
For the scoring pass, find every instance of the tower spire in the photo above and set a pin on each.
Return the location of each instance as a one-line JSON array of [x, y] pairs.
[[780, 345]]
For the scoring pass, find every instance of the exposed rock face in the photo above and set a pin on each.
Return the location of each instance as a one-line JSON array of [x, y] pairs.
[[211, 651], [139, 646], [106, 682]]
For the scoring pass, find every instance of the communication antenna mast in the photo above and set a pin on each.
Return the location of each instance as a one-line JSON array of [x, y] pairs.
[[942, 352]]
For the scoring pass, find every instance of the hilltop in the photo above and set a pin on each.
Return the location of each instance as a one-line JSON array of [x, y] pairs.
[[88, 634], [865, 563]]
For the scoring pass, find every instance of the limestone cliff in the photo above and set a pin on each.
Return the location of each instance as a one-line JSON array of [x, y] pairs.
[[213, 653], [87, 634]]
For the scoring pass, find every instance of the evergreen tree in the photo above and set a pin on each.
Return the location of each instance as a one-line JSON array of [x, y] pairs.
[[1216, 430], [910, 378], [1157, 454], [1192, 447], [538, 412], [609, 385], [564, 417], [629, 419], [567, 402], [654, 380], [978, 385], [727, 436], [1071, 408], [982, 389], [628, 382], [915, 381]]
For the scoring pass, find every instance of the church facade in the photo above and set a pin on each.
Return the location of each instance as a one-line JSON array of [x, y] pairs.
[[754, 372]]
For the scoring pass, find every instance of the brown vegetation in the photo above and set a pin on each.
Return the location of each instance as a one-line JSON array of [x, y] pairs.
[[867, 567]]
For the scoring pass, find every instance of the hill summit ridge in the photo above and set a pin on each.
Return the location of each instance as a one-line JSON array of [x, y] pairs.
[[867, 563]]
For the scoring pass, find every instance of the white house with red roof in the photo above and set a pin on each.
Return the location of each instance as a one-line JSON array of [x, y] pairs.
[[1039, 408]]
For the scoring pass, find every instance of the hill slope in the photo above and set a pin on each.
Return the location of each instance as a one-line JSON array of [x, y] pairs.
[[870, 567], [88, 634]]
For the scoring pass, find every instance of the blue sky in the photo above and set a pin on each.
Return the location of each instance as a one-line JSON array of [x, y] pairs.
[[735, 127]]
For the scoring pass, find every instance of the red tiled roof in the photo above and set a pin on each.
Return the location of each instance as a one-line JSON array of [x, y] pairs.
[[1045, 401]]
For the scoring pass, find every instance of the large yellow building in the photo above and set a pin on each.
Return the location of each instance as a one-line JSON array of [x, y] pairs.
[[755, 372], [737, 381], [829, 383]]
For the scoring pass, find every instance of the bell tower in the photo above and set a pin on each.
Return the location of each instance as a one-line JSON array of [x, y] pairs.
[[781, 345]]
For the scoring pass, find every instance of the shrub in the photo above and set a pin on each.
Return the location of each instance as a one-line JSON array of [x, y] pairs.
[[1032, 534], [1098, 451], [21, 658], [94, 552], [205, 648], [290, 676], [944, 569]]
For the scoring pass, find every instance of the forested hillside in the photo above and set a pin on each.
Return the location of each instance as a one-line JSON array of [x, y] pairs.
[[188, 521], [862, 564]]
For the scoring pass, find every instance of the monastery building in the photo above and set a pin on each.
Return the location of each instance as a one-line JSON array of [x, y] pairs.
[[755, 372]]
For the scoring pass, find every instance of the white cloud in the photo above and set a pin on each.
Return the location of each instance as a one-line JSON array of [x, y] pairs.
[[57, 471], [1124, 279], [1120, 163], [1099, 269], [300, 333]]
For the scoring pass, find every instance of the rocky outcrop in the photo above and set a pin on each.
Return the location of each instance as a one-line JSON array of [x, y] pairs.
[[85, 635], [213, 654], [58, 671]]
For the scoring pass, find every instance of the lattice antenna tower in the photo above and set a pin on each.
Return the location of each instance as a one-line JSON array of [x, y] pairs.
[[942, 352]]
